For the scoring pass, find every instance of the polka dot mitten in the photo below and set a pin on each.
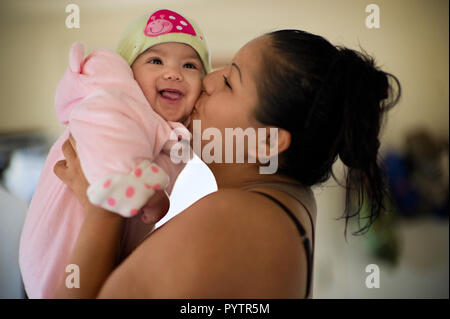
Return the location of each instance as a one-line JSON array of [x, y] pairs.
[[127, 194]]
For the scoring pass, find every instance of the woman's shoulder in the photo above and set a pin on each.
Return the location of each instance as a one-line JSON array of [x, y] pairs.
[[225, 201], [231, 210], [228, 213], [227, 239], [217, 207]]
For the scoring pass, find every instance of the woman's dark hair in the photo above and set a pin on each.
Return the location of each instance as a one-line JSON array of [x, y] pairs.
[[332, 100]]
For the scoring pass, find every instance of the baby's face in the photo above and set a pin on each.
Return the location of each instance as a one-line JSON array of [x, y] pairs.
[[170, 75]]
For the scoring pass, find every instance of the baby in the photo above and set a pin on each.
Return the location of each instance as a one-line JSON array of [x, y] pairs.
[[126, 112]]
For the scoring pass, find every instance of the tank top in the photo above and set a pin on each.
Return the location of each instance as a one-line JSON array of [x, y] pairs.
[[305, 197]]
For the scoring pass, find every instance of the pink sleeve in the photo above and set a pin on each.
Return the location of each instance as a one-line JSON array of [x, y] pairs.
[[113, 135], [117, 142]]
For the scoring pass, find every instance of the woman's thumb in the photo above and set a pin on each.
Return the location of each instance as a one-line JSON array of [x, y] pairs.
[[60, 169]]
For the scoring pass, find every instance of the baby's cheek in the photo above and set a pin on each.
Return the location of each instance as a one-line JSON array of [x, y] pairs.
[[198, 84], [196, 89]]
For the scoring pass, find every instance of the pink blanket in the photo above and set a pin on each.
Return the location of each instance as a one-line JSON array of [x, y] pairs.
[[124, 149]]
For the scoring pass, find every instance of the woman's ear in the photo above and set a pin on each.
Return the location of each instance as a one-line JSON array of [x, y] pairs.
[[271, 142], [277, 141], [284, 140]]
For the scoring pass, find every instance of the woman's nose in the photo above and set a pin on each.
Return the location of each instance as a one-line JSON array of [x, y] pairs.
[[173, 74], [210, 82]]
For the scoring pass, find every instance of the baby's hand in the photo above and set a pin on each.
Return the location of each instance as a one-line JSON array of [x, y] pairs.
[[156, 207], [127, 194]]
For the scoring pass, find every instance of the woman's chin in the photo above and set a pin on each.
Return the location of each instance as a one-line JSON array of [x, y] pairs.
[[189, 126], [187, 121]]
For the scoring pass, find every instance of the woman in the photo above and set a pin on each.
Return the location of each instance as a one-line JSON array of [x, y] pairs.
[[326, 102]]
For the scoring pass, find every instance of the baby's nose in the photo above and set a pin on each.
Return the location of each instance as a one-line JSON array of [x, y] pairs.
[[173, 74]]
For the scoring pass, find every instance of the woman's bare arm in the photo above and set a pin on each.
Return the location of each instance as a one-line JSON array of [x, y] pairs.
[[95, 253], [213, 250], [96, 249]]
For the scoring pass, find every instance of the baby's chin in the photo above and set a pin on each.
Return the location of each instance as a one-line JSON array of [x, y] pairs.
[[185, 119]]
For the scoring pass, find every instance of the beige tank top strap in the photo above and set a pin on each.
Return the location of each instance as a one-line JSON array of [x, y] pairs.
[[301, 193]]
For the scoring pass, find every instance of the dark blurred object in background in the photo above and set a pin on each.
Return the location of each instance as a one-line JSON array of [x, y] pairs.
[[418, 186], [418, 177], [383, 240], [22, 156], [428, 167], [402, 190]]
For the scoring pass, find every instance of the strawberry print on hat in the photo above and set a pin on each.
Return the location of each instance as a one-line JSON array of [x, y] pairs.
[[166, 21]]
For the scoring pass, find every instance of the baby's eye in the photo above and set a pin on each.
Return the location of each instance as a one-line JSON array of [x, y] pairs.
[[155, 61], [190, 66]]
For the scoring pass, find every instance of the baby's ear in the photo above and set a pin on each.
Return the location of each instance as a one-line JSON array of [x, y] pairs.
[[76, 57]]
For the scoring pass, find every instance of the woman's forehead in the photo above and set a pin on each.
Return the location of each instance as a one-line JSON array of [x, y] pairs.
[[247, 60], [251, 49]]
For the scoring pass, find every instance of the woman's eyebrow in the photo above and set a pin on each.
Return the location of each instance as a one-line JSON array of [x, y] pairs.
[[239, 70]]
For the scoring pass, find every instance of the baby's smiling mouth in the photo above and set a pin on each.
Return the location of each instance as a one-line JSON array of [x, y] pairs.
[[171, 94]]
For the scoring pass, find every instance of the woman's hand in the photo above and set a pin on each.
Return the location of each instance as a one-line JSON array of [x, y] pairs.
[[156, 207], [100, 226], [69, 171]]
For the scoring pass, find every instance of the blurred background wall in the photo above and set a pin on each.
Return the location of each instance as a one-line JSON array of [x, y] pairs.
[[412, 43]]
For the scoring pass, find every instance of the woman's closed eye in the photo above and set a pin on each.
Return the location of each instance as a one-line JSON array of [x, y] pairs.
[[226, 81]]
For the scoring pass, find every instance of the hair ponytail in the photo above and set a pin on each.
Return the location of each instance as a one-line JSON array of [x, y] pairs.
[[365, 91], [332, 101]]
